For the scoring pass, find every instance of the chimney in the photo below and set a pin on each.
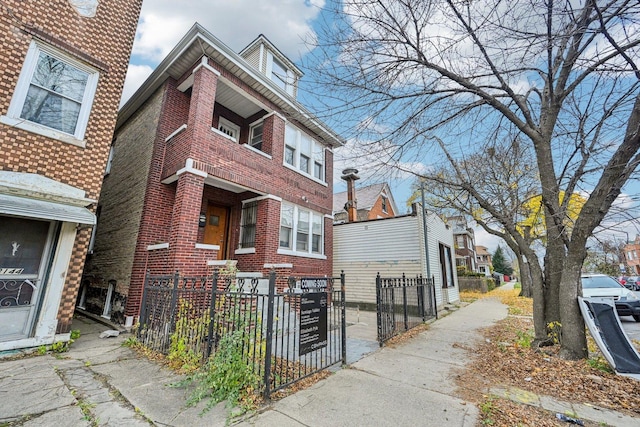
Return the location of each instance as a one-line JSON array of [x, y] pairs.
[[351, 176]]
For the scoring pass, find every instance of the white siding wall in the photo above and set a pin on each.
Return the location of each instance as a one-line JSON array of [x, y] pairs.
[[438, 232], [364, 249]]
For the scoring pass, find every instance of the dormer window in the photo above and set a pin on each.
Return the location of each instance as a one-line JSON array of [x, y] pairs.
[[279, 74]]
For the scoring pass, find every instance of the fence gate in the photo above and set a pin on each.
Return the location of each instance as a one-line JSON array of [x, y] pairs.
[[288, 328], [403, 303]]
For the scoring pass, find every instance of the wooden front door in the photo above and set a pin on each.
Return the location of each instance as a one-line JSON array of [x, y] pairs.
[[215, 230]]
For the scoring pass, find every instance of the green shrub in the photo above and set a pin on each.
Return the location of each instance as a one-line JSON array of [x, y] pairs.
[[226, 375]]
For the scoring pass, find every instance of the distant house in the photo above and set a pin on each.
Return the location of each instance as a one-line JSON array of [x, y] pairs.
[[391, 247], [214, 163], [62, 67], [464, 242], [372, 202], [632, 257], [483, 259]]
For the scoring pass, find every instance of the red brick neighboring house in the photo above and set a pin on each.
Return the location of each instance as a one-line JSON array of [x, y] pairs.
[[465, 244], [632, 257], [373, 202], [213, 161], [62, 68]]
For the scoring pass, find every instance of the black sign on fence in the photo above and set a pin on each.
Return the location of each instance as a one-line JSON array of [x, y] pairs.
[[313, 322]]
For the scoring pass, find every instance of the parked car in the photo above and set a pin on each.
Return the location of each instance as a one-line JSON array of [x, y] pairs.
[[600, 285], [632, 283], [622, 279]]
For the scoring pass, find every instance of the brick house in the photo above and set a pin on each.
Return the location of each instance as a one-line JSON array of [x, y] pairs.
[[213, 161], [62, 68], [632, 257], [465, 244], [373, 202], [483, 260]]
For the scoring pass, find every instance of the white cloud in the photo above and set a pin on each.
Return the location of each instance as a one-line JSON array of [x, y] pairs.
[[236, 23], [136, 74], [286, 23]]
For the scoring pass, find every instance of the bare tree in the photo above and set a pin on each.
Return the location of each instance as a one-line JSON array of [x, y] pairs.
[[563, 73]]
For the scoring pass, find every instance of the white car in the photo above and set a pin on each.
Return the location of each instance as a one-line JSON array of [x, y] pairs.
[[601, 285]]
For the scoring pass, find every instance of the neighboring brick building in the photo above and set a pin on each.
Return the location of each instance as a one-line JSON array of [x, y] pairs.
[[213, 160], [62, 69], [632, 257], [483, 259], [465, 243], [372, 202]]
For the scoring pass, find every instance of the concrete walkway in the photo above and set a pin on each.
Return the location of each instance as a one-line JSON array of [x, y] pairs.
[[100, 383]]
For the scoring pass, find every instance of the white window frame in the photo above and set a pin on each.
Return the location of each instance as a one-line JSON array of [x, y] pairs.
[[107, 169], [22, 87], [252, 127], [294, 141], [232, 130], [292, 249], [289, 77]]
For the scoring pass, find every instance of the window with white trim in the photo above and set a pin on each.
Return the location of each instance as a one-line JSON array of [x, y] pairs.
[[384, 204], [229, 128], [303, 153], [280, 74], [307, 227], [107, 169], [255, 135], [54, 92], [248, 223]]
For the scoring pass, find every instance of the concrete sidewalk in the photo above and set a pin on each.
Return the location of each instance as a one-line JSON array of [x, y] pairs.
[[99, 382], [409, 384]]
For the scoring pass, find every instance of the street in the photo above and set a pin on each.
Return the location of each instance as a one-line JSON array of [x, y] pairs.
[[630, 326]]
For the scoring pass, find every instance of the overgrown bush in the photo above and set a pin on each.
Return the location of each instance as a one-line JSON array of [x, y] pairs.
[[226, 375]]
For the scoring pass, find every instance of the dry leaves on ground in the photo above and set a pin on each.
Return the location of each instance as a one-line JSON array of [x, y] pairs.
[[504, 360]]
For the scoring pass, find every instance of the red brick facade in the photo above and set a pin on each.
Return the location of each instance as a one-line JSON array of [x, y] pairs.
[[195, 167], [102, 43]]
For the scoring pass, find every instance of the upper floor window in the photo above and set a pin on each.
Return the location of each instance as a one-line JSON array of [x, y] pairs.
[[384, 204], [304, 153], [255, 135], [279, 74], [54, 94], [229, 128]]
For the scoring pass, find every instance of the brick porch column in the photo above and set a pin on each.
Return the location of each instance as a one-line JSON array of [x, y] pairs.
[[183, 233], [203, 96]]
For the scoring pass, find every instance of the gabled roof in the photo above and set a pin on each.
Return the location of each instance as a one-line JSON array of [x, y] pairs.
[[482, 250], [366, 197], [281, 56], [199, 42]]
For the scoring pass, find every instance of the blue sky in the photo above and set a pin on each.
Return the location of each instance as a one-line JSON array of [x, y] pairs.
[[237, 22]]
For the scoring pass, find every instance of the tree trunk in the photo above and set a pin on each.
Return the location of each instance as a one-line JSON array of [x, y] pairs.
[[573, 342]]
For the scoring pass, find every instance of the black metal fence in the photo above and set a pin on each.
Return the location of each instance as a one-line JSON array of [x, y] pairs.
[[291, 327], [403, 303]]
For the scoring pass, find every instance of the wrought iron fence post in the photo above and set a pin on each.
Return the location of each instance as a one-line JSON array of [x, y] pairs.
[[269, 346], [433, 291], [404, 303], [421, 299], [143, 308], [343, 320], [212, 313], [174, 298], [379, 307]]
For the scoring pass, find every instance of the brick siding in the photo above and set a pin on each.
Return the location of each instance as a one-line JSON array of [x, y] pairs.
[[103, 42]]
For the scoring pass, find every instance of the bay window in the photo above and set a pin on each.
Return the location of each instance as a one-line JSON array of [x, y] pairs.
[[303, 153]]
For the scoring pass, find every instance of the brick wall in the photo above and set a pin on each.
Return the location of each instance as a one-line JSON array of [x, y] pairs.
[[103, 42], [123, 191]]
